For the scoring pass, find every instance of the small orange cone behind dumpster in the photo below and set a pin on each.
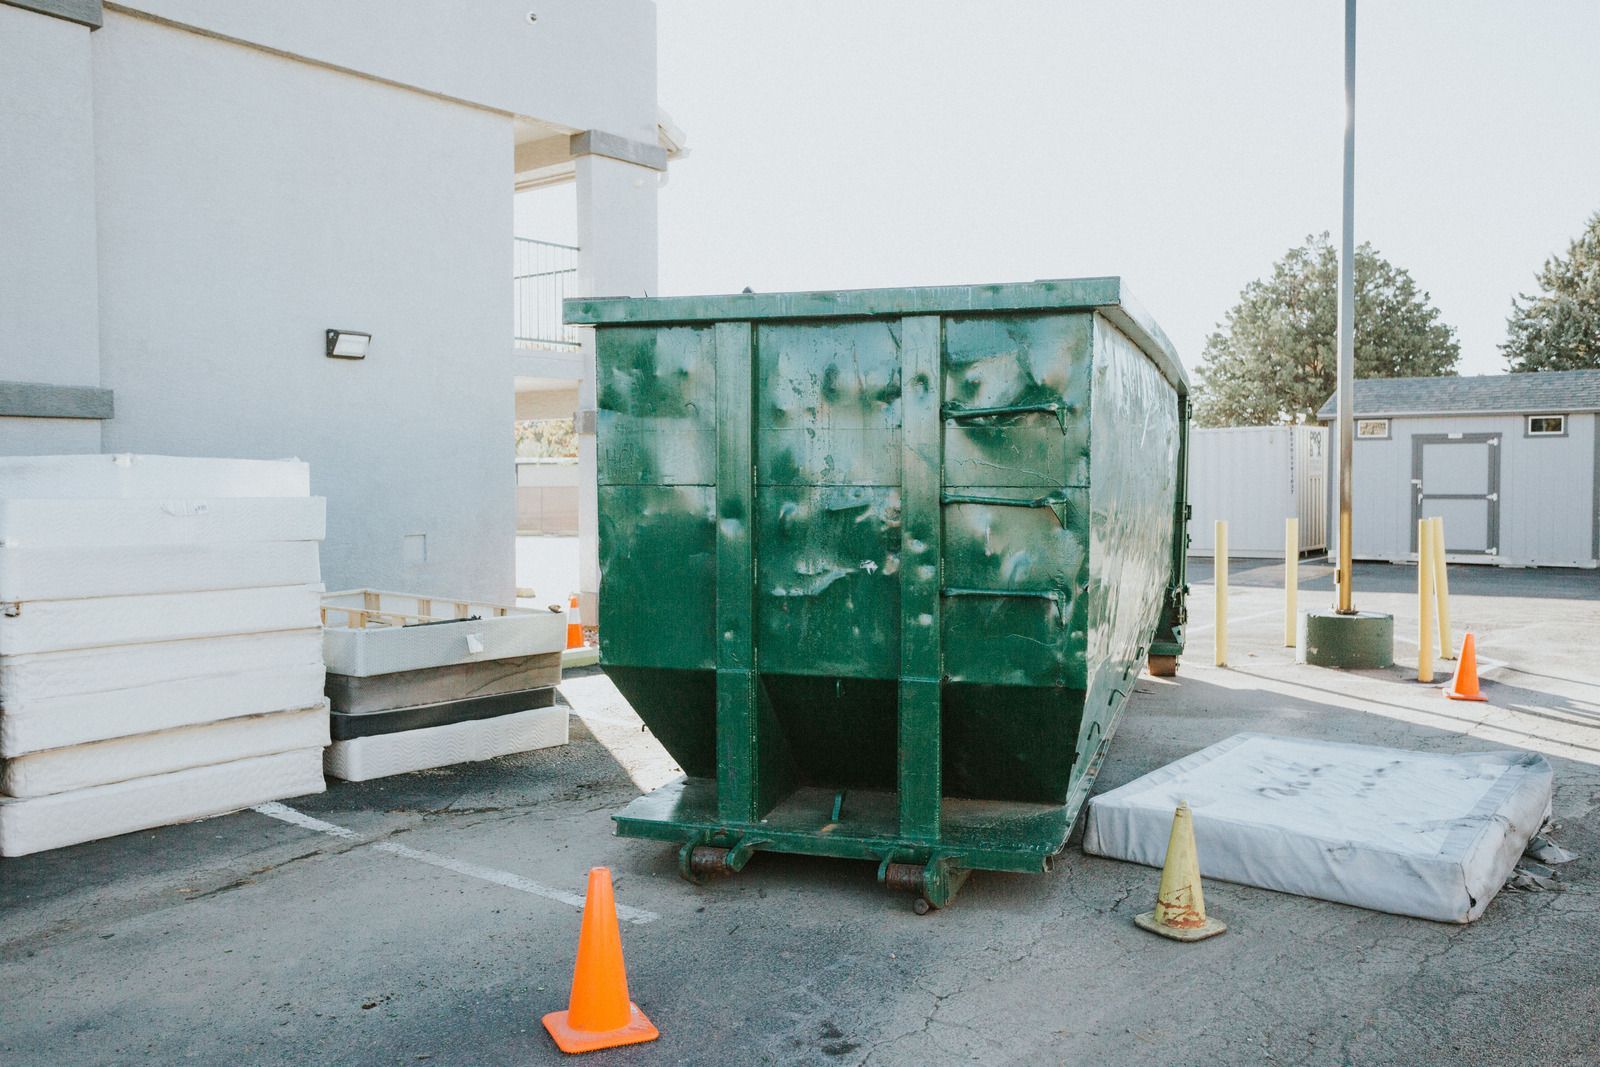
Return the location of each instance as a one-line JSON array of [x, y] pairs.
[[574, 624], [1180, 911], [599, 1013], [1464, 686]]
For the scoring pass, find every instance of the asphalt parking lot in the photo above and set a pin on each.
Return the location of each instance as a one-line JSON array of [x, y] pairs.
[[250, 939]]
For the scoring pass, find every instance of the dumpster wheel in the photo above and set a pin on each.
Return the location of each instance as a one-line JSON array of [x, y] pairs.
[[698, 864], [1162, 666], [935, 884], [699, 861]]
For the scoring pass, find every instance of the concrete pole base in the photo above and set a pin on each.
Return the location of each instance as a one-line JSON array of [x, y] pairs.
[[1363, 641]]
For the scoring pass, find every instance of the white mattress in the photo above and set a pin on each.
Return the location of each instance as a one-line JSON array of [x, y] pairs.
[[48, 675], [40, 823], [51, 625], [387, 649], [58, 770], [88, 717], [1412, 833], [162, 477], [37, 572], [442, 746], [215, 521]]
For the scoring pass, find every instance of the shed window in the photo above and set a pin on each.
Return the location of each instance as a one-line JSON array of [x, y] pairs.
[[1547, 425], [1372, 427]]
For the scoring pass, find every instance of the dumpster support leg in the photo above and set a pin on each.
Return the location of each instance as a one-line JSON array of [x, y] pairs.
[[1168, 643], [921, 691], [751, 761]]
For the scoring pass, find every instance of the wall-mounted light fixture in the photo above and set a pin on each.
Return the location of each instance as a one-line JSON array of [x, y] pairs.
[[348, 344]]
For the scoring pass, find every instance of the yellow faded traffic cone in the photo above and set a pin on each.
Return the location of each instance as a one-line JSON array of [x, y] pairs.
[[1180, 911]]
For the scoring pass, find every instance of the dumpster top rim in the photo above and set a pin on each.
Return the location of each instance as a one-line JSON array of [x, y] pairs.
[[1106, 295]]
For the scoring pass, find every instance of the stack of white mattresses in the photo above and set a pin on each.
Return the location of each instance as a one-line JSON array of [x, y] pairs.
[[423, 681], [160, 642]]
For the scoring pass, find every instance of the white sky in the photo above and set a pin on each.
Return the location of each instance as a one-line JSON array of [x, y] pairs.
[[1184, 146]]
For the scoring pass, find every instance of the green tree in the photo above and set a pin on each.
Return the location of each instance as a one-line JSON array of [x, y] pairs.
[[1274, 357], [1559, 328], [547, 439]]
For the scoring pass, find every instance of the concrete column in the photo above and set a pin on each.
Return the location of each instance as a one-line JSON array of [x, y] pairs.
[[617, 257], [49, 307]]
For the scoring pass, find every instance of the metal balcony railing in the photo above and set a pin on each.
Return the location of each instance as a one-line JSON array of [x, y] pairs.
[[541, 272]]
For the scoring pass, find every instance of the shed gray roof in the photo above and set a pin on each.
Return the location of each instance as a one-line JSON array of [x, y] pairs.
[[1536, 392]]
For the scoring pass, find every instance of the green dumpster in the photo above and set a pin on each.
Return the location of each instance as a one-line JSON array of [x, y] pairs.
[[880, 568]]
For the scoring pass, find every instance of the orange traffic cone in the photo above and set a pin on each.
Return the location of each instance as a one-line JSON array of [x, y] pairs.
[[574, 624], [1180, 911], [599, 1014], [1464, 686]]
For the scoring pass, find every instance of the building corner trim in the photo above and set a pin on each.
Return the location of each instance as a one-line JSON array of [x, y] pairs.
[[88, 13], [614, 146]]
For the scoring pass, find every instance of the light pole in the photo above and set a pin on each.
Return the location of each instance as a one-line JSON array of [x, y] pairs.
[[1347, 315], [1342, 636]]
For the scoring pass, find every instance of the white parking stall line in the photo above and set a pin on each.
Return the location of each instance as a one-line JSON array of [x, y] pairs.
[[284, 813]]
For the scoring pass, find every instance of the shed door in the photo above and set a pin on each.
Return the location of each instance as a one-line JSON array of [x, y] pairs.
[[1456, 477]]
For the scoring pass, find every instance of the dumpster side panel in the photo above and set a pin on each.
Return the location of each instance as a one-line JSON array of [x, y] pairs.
[[828, 426], [828, 588], [1008, 742], [838, 731], [1016, 548], [656, 388], [829, 403], [1016, 361], [828, 536], [1015, 552], [1134, 486], [1014, 608], [658, 569]]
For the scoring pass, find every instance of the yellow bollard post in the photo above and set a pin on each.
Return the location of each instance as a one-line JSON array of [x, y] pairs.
[[1441, 588], [1220, 634], [1424, 601], [1291, 578]]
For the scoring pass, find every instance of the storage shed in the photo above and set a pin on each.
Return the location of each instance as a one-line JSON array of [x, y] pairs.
[[1511, 462], [1254, 477]]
